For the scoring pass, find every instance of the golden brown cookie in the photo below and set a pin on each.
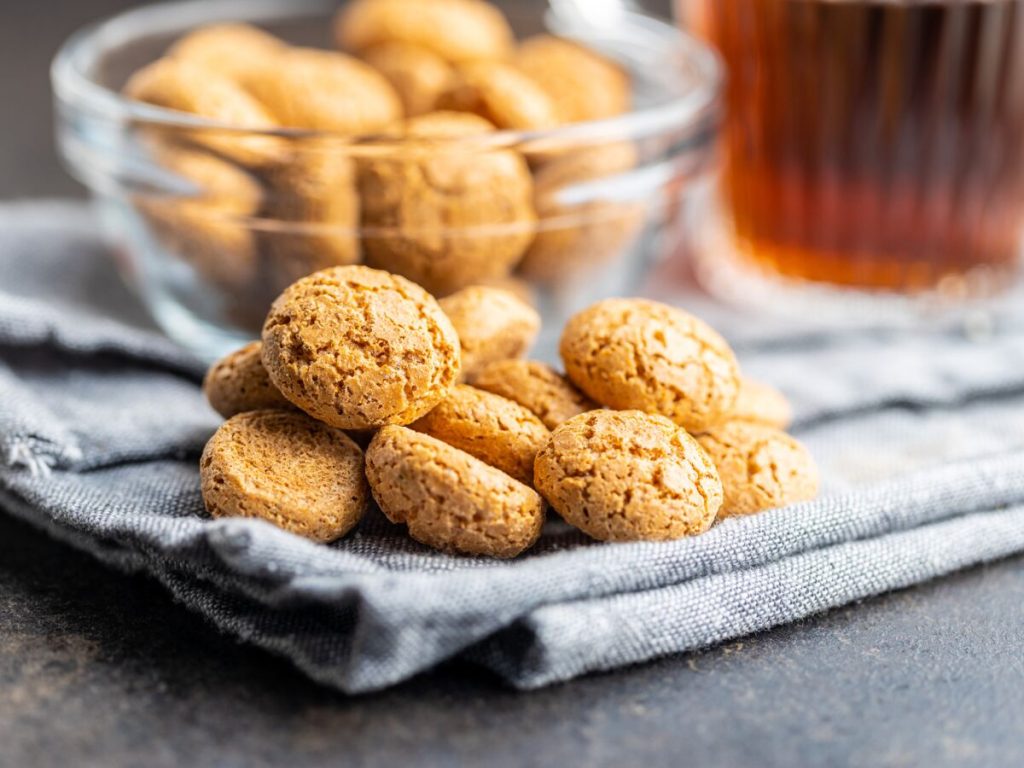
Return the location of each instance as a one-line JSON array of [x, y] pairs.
[[492, 324], [643, 355], [208, 225], [417, 74], [761, 467], [324, 90], [174, 83], [312, 200], [458, 30], [358, 348], [450, 500], [584, 84], [495, 430], [502, 95], [628, 476], [444, 215], [762, 404], [287, 469], [579, 233], [239, 383], [537, 387], [228, 49]]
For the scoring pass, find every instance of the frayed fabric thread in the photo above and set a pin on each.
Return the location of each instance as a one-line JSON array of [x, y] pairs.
[[33, 455]]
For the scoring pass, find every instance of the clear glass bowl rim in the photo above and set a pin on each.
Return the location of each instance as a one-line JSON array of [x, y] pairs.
[[75, 87]]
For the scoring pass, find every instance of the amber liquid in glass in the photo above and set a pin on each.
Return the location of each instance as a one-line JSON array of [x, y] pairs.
[[876, 144]]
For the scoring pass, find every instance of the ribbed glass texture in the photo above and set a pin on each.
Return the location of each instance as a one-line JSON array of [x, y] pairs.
[[873, 144]]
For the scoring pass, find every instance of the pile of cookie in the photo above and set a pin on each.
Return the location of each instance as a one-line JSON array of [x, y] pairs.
[[650, 434], [428, 197]]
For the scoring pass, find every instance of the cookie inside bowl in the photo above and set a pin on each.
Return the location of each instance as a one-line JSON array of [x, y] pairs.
[[324, 134]]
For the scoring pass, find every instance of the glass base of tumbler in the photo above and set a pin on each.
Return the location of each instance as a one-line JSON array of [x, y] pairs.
[[726, 269]]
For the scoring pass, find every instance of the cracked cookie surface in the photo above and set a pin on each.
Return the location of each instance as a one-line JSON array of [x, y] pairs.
[[493, 324], [628, 476], [537, 387], [287, 469], [495, 430], [450, 500], [444, 215], [238, 383], [761, 467], [643, 355], [359, 348]]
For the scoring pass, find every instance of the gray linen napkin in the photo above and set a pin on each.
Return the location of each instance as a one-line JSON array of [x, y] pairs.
[[920, 435]]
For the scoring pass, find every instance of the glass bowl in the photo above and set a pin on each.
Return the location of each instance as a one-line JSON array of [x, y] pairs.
[[209, 222]]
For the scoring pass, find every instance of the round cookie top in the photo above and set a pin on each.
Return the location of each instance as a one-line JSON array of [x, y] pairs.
[[643, 355], [443, 215], [492, 323], [457, 30], [287, 469], [501, 94], [537, 387], [358, 348], [495, 430], [238, 383], [762, 404], [761, 467], [628, 476], [450, 500]]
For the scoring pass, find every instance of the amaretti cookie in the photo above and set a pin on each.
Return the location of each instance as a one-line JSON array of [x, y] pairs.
[[495, 430], [418, 75], [501, 94], [228, 49], [287, 469], [761, 467], [535, 386], [581, 232], [206, 226], [178, 84], [493, 324], [446, 216], [643, 355], [457, 30], [358, 348], [584, 84], [323, 90], [313, 198], [450, 500], [238, 383], [627, 475]]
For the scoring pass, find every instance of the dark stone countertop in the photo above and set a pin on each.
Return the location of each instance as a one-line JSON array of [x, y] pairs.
[[102, 669]]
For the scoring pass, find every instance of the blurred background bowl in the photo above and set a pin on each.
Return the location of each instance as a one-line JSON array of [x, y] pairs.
[[210, 221]]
